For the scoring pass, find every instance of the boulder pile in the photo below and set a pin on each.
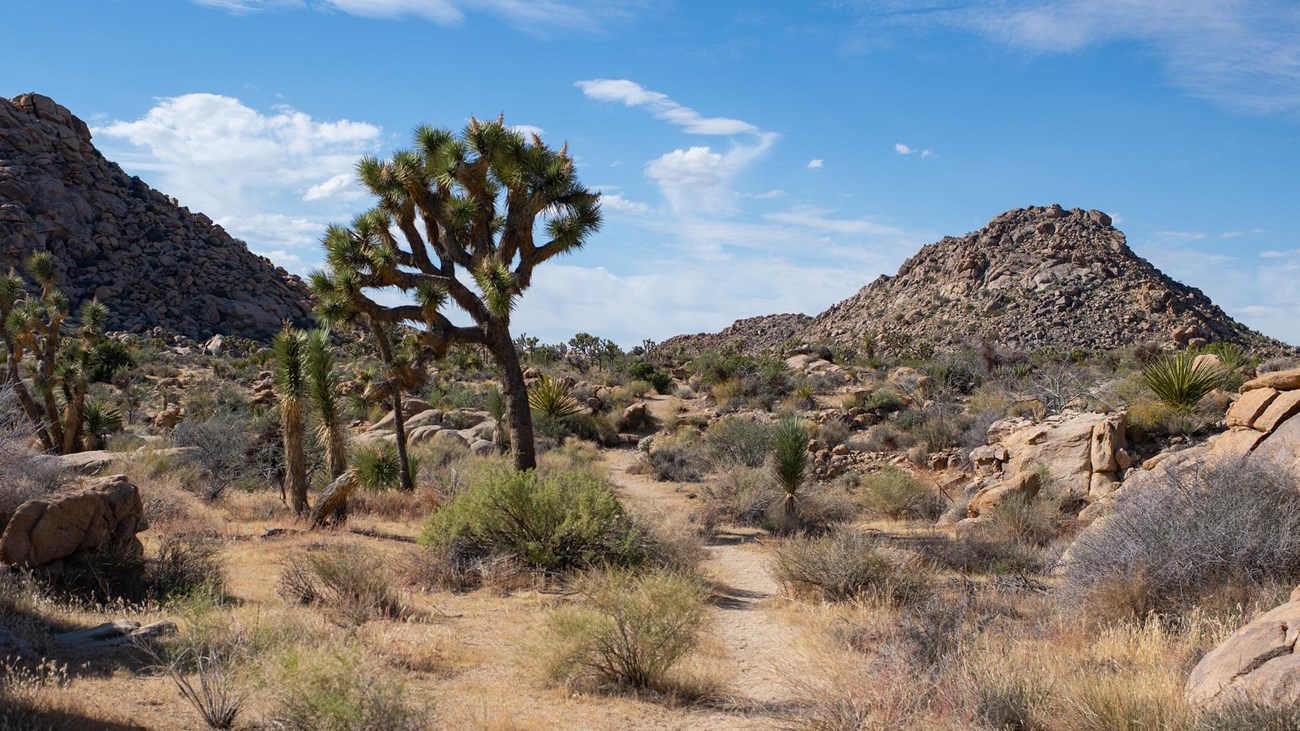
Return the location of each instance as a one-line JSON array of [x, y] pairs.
[[153, 262]]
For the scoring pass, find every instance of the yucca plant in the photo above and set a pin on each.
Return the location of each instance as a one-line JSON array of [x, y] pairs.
[[549, 398], [323, 384], [1179, 381], [290, 353], [100, 418], [496, 408], [1233, 356], [379, 469], [790, 462]]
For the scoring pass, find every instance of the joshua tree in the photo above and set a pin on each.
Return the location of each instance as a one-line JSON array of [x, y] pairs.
[[290, 348], [34, 324], [789, 462], [455, 223], [331, 432]]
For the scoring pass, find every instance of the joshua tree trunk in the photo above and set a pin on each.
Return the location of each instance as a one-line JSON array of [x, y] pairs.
[[399, 422], [29, 405], [515, 392], [295, 468], [72, 421], [333, 502]]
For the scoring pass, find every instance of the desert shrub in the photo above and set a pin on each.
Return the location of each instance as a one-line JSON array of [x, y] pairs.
[[660, 379], [742, 495], [980, 552], [1246, 715], [555, 521], [342, 690], [107, 358], [187, 564], [832, 432], [1224, 531], [630, 630], [738, 440], [1178, 381], [222, 446], [1151, 418], [884, 401], [674, 463], [27, 473], [215, 699], [351, 584], [894, 493], [1029, 522], [846, 565], [887, 437], [1283, 363]]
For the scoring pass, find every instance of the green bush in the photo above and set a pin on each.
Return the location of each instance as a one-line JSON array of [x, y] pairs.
[[351, 584], [741, 441], [660, 379], [557, 521], [342, 690], [630, 630], [848, 565], [106, 358], [894, 493]]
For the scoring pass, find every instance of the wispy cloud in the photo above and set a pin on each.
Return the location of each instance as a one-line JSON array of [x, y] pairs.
[[694, 179], [816, 164], [905, 149], [528, 15], [1244, 53]]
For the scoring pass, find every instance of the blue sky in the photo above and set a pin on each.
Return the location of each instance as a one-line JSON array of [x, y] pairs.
[[756, 157]]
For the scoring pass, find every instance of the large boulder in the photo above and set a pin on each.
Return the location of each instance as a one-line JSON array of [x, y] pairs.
[[1279, 380], [1082, 454], [106, 514], [1025, 484], [1257, 663]]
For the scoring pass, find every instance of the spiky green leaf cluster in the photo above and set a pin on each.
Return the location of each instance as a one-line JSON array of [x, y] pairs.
[[289, 349], [790, 455], [1180, 381], [550, 398]]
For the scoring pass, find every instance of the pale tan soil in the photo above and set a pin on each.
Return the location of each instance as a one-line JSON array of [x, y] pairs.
[[466, 655]]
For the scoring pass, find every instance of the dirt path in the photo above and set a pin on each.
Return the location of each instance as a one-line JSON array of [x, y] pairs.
[[756, 639]]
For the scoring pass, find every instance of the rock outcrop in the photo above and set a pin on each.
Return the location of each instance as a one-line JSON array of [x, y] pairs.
[[1032, 278], [765, 334], [106, 514], [154, 263], [1258, 663]]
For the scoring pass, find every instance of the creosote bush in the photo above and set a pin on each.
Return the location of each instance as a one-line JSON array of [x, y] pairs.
[[1223, 533], [894, 493], [343, 690], [846, 565], [552, 520], [352, 585], [629, 630]]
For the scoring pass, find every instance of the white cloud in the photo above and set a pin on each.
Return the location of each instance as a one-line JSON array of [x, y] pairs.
[[1279, 254], [528, 130], [272, 178], [632, 94], [343, 185], [903, 149], [819, 219], [816, 164], [1179, 235], [616, 202], [528, 15]]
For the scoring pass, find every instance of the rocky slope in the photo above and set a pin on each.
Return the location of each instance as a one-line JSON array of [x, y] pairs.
[[153, 263], [752, 335], [1032, 278]]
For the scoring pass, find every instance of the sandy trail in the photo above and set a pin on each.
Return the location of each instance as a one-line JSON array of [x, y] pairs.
[[757, 640]]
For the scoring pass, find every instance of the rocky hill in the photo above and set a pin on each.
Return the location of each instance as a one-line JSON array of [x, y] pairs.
[[1032, 278], [751, 335], [153, 263]]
